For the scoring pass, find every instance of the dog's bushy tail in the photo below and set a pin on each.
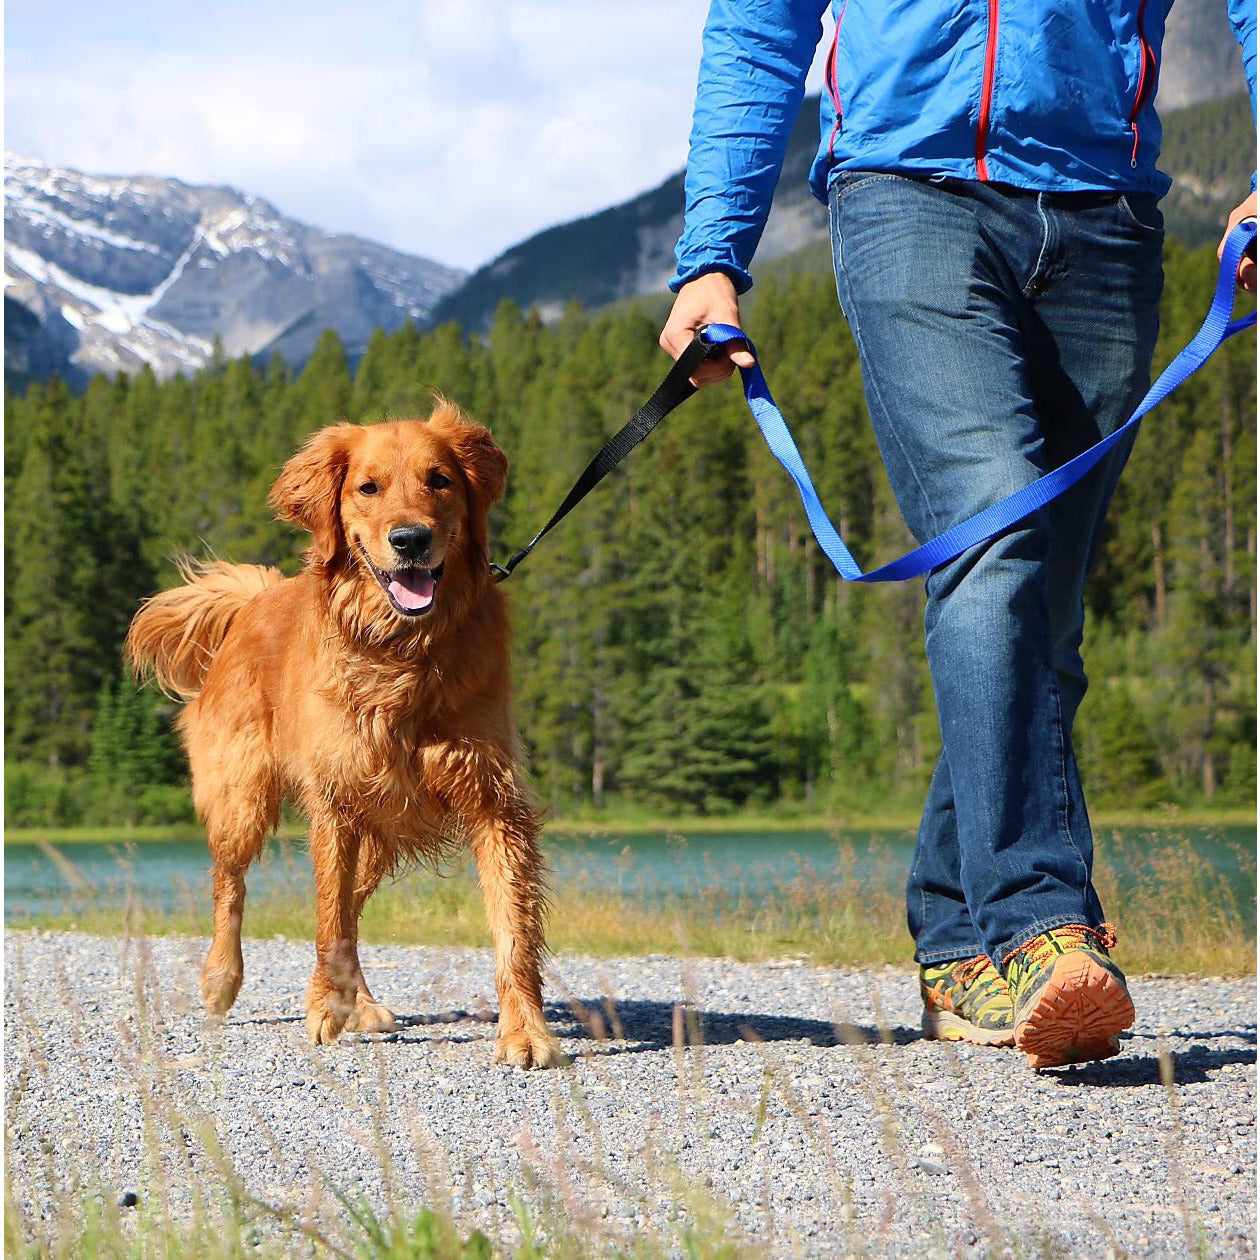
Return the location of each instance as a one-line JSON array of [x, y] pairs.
[[176, 633]]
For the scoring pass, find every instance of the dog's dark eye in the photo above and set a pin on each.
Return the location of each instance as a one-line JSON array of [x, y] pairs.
[[438, 481], [368, 487]]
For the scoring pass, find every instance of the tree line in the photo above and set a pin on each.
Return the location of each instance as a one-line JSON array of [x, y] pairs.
[[681, 642]]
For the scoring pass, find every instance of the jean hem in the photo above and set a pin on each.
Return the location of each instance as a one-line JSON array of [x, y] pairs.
[[946, 955]]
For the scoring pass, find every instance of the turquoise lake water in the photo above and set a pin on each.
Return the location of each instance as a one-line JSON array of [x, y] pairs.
[[171, 873]]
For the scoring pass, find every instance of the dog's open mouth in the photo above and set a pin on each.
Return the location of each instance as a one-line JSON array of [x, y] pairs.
[[410, 590]]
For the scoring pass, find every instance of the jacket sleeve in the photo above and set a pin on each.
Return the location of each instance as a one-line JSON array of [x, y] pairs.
[[1242, 16], [756, 55]]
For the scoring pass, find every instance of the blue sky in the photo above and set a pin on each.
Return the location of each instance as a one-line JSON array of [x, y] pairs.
[[448, 128]]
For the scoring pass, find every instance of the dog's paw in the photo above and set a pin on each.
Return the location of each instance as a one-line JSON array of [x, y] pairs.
[[527, 1048], [326, 1020], [369, 1016], [219, 987]]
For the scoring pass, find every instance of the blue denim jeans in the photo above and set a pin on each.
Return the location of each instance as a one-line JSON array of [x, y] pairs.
[[1000, 333]]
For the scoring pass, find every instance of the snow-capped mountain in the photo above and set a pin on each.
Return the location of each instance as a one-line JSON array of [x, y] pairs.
[[104, 274], [107, 273]]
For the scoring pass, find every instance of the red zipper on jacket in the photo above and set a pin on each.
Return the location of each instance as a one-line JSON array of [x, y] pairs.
[[1146, 77], [833, 82], [986, 93]]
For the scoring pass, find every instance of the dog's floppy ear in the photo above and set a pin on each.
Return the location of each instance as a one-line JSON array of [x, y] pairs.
[[484, 465], [308, 489]]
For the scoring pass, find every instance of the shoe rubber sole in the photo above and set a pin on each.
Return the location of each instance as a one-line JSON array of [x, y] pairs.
[[946, 1026], [1077, 1016]]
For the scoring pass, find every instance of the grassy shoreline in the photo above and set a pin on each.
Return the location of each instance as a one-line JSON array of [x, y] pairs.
[[1175, 912], [633, 824]]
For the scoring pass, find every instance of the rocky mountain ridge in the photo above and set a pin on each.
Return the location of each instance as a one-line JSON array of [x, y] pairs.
[[109, 273]]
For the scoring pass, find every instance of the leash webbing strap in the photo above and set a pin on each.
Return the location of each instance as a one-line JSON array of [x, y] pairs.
[[674, 389], [1217, 328]]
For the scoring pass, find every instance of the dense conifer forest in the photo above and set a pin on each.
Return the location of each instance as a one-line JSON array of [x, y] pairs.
[[681, 642]]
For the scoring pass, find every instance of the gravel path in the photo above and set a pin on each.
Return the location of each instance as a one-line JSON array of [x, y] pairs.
[[792, 1108]]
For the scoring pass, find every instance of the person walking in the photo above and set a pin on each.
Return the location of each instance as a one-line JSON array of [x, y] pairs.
[[990, 174]]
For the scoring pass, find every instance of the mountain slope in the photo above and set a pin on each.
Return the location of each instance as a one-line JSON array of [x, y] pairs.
[[627, 250], [106, 274], [112, 273], [1210, 152], [1201, 60]]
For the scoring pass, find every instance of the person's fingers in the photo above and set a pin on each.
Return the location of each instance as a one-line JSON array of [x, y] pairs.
[[1246, 209], [711, 371], [709, 299]]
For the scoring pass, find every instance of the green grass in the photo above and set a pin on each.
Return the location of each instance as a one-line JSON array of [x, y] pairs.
[[227, 1221], [629, 821]]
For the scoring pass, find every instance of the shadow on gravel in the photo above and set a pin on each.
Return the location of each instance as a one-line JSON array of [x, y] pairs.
[[644, 1026], [1191, 1066], [639, 1027], [1238, 1034]]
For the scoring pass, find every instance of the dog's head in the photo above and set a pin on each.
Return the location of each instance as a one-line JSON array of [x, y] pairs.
[[402, 504]]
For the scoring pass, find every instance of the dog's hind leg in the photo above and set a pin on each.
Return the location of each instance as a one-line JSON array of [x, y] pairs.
[[369, 1015], [236, 828], [224, 968], [510, 870]]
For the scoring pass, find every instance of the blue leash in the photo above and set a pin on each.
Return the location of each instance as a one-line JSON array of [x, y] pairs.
[[677, 388], [1216, 330]]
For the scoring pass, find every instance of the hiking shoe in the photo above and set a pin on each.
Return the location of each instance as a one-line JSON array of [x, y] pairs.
[[967, 1000], [1071, 1001]]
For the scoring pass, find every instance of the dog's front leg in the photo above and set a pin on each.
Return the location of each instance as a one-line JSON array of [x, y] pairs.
[[330, 997], [510, 870], [370, 1016]]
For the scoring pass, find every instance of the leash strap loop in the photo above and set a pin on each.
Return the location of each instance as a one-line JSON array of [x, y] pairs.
[[674, 389], [1217, 328]]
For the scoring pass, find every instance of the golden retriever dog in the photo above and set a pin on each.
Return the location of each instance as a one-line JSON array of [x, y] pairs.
[[373, 689]]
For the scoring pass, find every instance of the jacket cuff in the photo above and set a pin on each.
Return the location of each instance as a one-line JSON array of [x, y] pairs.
[[739, 277]]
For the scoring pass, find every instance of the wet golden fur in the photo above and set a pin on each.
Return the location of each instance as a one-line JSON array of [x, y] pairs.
[[392, 732]]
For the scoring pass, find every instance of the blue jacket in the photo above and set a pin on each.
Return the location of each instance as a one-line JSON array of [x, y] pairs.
[[1035, 93]]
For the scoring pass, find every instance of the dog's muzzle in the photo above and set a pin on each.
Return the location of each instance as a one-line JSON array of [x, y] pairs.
[[410, 589]]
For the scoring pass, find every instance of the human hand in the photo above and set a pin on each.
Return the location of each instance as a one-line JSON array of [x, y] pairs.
[[1247, 267], [708, 299]]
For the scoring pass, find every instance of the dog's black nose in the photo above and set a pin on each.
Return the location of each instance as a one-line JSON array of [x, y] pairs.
[[412, 542]]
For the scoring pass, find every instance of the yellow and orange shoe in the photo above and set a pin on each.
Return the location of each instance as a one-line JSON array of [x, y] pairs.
[[966, 1000], [1070, 1000]]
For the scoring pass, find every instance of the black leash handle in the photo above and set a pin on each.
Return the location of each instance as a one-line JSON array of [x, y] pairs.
[[674, 389]]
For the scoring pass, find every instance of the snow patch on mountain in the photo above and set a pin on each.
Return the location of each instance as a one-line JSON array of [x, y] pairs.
[[128, 271]]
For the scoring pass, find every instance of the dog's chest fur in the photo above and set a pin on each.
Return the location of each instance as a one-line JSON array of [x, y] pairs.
[[401, 766]]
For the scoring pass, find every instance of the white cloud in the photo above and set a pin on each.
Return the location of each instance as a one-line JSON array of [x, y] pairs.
[[451, 128]]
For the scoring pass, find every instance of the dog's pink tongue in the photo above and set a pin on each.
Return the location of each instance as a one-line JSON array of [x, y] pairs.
[[413, 589]]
